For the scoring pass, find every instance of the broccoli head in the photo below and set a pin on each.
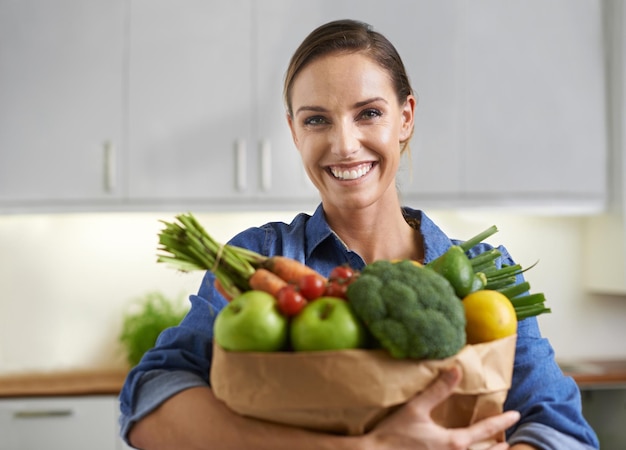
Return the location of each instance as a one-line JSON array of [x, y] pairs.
[[412, 311]]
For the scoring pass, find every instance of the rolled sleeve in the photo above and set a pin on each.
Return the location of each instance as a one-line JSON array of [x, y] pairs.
[[546, 438], [544, 395], [151, 390], [181, 359]]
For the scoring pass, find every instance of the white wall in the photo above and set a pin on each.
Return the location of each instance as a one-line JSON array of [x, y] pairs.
[[65, 281]]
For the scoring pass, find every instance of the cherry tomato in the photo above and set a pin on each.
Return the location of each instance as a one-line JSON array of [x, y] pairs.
[[290, 301], [311, 286], [343, 272], [336, 288]]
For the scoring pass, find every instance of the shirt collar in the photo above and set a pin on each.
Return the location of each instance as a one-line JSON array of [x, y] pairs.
[[436, 242], [317, 230]]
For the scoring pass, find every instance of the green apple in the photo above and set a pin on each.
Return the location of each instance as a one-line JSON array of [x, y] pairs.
[[327, 323], [251, 322]]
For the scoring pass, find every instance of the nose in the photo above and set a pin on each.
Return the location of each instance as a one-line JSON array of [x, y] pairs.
[[344, 139]]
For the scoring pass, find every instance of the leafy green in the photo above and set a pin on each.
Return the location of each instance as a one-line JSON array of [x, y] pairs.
[[143, 323], [185, 245]]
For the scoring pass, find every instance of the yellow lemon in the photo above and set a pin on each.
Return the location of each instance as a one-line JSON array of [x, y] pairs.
[[489, 315], [415, 263]]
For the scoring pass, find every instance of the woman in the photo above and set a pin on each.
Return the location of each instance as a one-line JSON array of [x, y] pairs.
[[350, 109]]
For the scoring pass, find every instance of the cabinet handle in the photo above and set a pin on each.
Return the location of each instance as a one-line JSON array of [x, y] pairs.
[[42, 413], [266, 165], [241, 165], [110, 173]]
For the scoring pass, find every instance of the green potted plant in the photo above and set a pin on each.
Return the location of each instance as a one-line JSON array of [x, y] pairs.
[[145, 320]]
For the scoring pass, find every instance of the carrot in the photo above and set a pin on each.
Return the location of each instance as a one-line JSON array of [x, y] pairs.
[[219, 288], [264, 280], [289, 269]]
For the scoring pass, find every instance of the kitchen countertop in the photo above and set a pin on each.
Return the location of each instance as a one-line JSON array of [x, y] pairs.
[[592, 373], [586, 373], [65, 383]]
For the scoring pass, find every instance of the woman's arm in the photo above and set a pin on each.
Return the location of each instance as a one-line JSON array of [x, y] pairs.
[[194, 419]]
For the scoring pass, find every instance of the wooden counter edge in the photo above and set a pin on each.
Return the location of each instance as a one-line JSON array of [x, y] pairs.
[[596, 373], [67, 383]]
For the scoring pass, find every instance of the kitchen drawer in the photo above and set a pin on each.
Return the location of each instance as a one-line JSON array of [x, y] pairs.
[[605, 410], [68, 423]]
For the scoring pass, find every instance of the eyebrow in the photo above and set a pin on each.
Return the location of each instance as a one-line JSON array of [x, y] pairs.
[[356, 105]]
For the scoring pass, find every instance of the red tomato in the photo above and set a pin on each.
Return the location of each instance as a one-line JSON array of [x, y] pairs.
[[341, 273], [290, 301], [311, 286], [336, 288]]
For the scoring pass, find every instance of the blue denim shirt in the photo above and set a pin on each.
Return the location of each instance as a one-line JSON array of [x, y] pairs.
[[549, 402]]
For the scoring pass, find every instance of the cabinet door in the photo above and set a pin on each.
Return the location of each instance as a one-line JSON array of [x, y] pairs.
[[282, 24], [535, 102], [190, 93], [61, 72], [428, 36], [425, 33], [76, 423]]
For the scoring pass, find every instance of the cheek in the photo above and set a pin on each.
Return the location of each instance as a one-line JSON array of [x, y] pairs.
[[307, 155], [386, 136], [308, 146], [388, 146]]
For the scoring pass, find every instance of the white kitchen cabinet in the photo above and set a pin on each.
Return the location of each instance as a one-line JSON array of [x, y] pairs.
[[68, 423], [207, 120], [531, 107], [153, 104], [197, 108], [511, 105], [605, 409], [605, 234], [61, 101], [190, 93]]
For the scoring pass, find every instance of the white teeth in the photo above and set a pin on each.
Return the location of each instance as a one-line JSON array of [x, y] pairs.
[[351, 174]]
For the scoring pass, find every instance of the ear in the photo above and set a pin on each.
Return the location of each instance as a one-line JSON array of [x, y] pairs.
[[293, 131], [407, 117]]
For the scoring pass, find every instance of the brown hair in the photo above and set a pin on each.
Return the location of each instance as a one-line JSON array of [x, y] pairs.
[[349, 36]]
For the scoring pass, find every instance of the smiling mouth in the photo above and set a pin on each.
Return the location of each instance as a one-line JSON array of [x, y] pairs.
[[351, 173]]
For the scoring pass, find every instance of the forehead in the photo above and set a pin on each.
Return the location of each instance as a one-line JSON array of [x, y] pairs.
[[342, 74]]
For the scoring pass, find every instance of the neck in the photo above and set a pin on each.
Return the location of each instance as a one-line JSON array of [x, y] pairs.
[[377, 232]]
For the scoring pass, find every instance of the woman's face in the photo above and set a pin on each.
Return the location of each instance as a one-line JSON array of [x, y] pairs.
[[348, 126]]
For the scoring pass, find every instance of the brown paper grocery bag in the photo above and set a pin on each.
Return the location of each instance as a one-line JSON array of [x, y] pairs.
[[349, 391]]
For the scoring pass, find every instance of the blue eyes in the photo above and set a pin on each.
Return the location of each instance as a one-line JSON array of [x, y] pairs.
[[367, 114]]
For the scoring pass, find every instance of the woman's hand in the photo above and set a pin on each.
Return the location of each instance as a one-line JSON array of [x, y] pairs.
[[411, 427]]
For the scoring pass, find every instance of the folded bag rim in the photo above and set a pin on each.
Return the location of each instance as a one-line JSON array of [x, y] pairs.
[[354, 378]]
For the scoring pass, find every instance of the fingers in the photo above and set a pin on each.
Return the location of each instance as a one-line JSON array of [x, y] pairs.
[[500, 446], [490, 426], [418, 412], [439, 390], [489, 445]]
